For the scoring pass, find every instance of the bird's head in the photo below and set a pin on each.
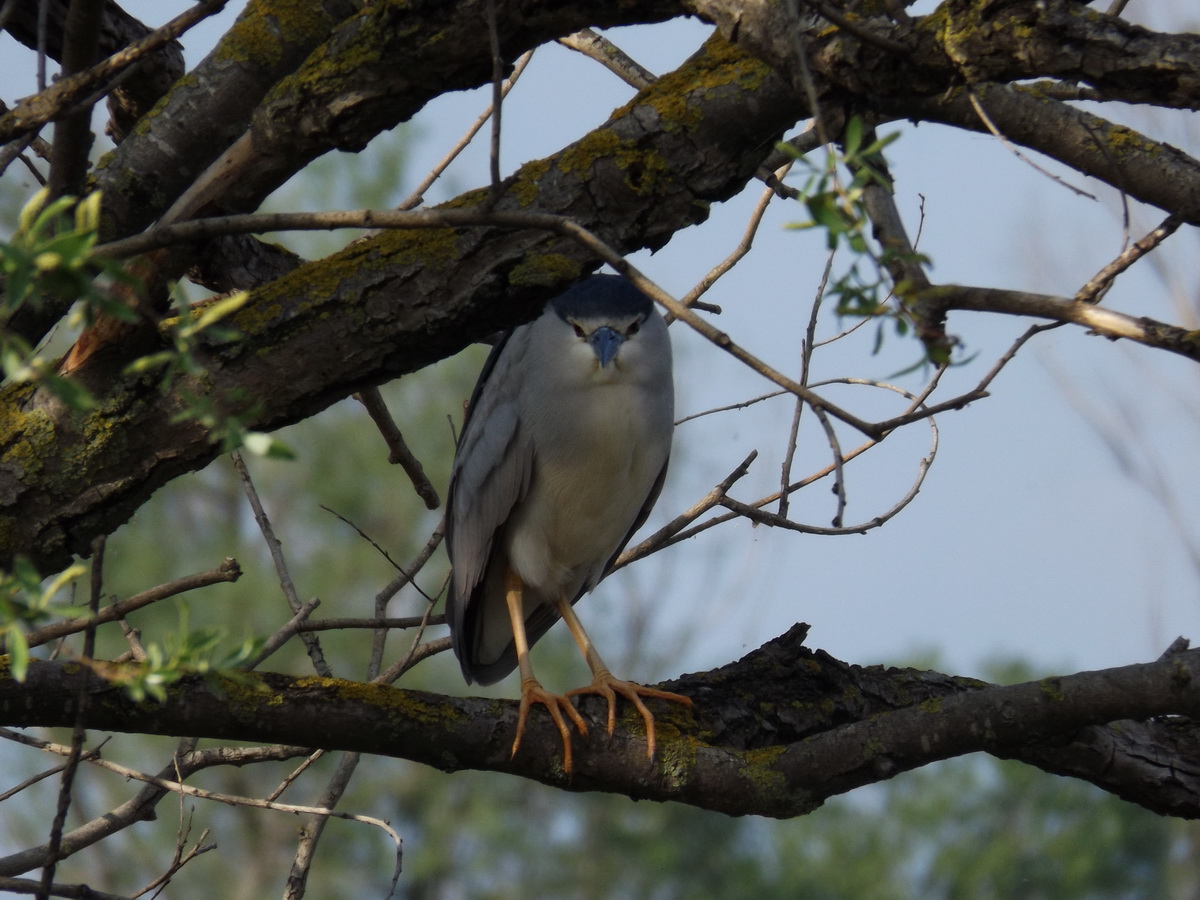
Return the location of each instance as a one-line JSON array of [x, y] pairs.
[[605, 319]]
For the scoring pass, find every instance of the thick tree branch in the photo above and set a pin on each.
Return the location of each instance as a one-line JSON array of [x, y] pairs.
[[774, 734], [395, 302]]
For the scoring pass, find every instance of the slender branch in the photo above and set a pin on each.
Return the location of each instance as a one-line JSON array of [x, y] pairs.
[[228, 571], [293, 775], [1104, 322], [342, 623], [180, 858], [729, 407], [662, 537], [416, 651], [612, 57], [991, 126], [34, 112], [283, 635], [418, 654], [1102, 280], [744, 245], [78, 731], [807, 347], [56, 889], [398, 451], [311, 831], [849, 25], [406, 576], [311, 644], [497, 189], [417, 197]]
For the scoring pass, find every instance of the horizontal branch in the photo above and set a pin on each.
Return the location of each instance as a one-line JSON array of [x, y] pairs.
[[774, 734], [228, 571], [1102, 321]]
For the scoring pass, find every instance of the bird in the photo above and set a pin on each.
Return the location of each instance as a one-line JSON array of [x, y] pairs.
[[562, 455]]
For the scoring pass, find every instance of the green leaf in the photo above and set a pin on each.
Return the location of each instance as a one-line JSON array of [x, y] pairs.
[[72, 393], [211, 313], [264, 445], [87, 213], [18, 652], [30, 210], [149, 362], [852, 139]]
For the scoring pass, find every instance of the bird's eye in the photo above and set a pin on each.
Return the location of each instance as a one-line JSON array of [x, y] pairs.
[[579, 332], [633, 329]]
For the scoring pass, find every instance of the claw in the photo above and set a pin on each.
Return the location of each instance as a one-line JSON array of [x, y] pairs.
[[607, 686], [532, 692]]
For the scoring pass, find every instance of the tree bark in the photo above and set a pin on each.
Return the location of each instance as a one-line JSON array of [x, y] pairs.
[[773, 734]]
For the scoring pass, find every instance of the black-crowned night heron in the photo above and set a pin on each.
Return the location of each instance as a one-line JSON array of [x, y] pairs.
[[562, 455]]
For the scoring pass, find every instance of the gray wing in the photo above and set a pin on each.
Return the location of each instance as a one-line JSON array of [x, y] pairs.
[[492, 471]]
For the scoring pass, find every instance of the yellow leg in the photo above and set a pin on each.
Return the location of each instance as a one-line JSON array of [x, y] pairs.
[[608, 686], [531, 690]]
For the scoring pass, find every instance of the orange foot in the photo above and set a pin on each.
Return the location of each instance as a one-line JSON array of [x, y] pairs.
[[532, 692], [604, 684]]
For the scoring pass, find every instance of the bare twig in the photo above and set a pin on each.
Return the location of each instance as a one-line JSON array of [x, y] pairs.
[[14, 149], [729, 407], [311, 831], [418, 654], [692, 297], [414, 654], [34, 112], [291, 777], [283, 635], [182, 855], [839, 472], [252, 802], [497, 100], [417, 197], [193, 761], [406, 577], [141, 806], [1016, 151], [663, 537], [78, 733], [394, 623], [311, 644], [612, 57], [29, 782], [1102, 280], [227, 571], [806, 351], [398, 451], [739, 509], [865, 35]]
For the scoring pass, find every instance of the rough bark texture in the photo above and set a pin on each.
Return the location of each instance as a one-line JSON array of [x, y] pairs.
[[773, 734]]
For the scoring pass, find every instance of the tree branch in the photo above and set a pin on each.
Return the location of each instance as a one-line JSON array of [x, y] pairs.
[[774, 734], [393, 303]]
